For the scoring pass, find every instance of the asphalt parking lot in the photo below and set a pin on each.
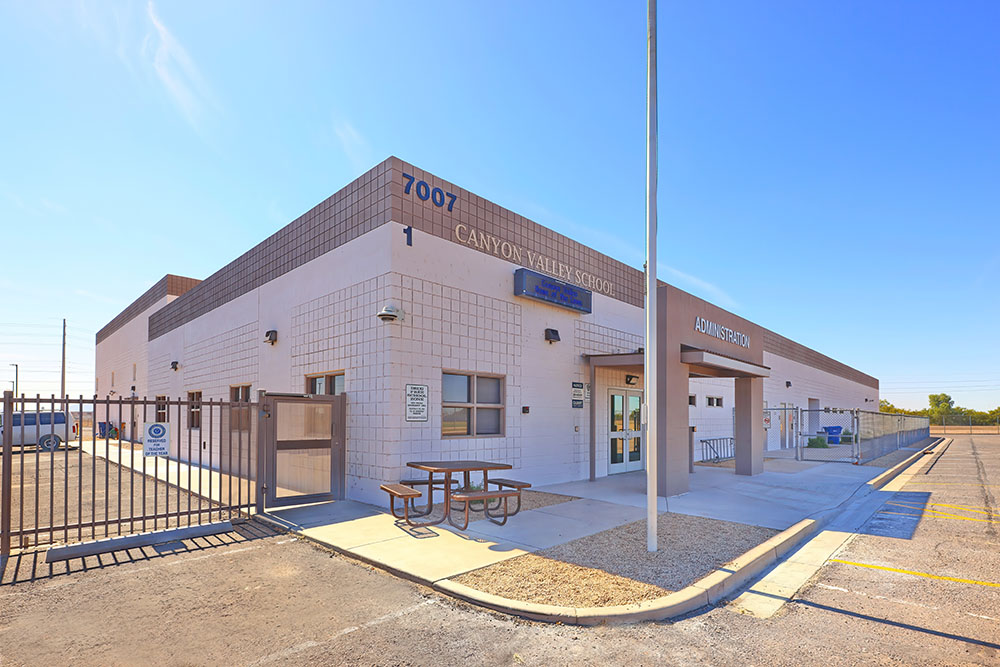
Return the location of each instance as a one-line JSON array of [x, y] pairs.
[[259, 597]]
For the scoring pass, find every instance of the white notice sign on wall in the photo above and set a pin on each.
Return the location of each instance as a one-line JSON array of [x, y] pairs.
[[157, 440], [416, 403]]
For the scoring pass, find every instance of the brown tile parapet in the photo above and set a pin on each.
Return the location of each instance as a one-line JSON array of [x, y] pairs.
[[168, 285]]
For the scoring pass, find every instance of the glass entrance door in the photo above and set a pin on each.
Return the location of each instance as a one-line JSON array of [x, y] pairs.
[[625, 431]]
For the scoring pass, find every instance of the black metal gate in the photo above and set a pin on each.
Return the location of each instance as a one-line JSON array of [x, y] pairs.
[[304, 448]]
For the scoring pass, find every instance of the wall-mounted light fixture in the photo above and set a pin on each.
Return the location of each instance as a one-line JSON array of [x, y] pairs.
[[271, 337], [788, 384], [552, 335], [631, 379], [174, 365], [389, 313]]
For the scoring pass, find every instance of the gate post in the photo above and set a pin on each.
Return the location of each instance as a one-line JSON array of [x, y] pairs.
[[5, 482], [262, 451]]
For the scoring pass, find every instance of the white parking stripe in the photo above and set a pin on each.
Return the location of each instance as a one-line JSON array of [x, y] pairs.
[[898, 601], [306, 645]]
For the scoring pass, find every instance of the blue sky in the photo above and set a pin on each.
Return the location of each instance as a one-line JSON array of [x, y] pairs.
[[829, 170]]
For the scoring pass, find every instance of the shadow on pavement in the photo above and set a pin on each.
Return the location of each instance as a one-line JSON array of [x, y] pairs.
[[899, 516], [897, 624], [30, 566]]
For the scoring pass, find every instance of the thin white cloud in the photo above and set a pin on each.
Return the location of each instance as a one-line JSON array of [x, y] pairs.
[[177, 71], [355, 146], [713, 292]]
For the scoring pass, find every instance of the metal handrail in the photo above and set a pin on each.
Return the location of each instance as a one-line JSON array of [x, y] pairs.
[[717, 449]]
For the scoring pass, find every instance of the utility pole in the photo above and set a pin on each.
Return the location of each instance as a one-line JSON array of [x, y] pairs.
[[62, 384], [649, 358], [15, 378]]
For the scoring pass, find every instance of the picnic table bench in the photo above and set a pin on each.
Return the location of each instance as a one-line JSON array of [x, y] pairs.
[[463, 497]]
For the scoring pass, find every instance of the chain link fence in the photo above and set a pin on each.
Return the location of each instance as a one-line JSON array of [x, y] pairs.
[[962, 424], [830, 434], [885, 432]]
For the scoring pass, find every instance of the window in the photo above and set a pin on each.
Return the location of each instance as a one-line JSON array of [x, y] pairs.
[[714, 401], [692, 399], [330, 383], [133, 372], [240, 415], [471, 405], [162, 409], [194, 409], [112, 378]]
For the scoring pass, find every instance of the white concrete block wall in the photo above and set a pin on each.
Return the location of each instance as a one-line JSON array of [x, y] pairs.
[[118, 352]]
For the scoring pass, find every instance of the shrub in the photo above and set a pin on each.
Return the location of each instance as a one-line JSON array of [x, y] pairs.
[[818, 443]]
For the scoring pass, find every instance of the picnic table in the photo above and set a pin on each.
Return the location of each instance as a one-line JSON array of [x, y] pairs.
[[463, 495]]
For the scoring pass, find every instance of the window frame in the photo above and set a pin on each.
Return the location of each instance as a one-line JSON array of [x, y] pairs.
[[713, 401], [239, 415], [193, 408], [328, 381], [161, 407], [693, 400], [474, 406]]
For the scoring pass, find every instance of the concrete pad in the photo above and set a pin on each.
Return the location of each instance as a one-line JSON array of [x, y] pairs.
[[772, 499], [430, 560], [301, 517], [557, 524], [534, 529], [595, 512]]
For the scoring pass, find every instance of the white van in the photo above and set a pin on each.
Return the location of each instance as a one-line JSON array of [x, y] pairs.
[[46, 429]]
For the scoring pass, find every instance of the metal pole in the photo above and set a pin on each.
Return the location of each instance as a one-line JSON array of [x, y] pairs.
[[650, 356], [5, 480], [15, 378], [62, 384]]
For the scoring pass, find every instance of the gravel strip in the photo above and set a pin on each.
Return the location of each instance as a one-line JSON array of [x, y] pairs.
[[614, 565]]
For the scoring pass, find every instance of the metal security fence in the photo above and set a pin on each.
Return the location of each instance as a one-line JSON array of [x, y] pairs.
[[884, 432], [964, 424], [780, 431], [829, 434], [62, 482]]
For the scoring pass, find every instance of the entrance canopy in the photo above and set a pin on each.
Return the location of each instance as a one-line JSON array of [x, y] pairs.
[[702, 363]]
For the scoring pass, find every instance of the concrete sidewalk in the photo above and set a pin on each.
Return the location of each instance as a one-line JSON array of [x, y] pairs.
[[785, 493], [439, 552], [773, 500]]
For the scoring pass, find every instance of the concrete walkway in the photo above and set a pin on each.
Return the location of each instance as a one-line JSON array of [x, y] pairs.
[[773, 499], [785, 493], [439, 552]]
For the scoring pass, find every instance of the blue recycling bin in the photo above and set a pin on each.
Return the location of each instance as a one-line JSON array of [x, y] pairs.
[[834, 434]]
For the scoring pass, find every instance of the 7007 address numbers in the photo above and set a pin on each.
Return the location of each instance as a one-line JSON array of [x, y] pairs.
[[425, 192]]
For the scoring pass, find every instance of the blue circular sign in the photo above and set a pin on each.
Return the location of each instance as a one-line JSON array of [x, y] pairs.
[[157, 431]]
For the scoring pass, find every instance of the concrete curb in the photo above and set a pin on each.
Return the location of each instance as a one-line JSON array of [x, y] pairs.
[[881, 480], [709, 589]]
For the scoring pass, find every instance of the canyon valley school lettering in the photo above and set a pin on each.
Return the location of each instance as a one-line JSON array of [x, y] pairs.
[[721, 332]]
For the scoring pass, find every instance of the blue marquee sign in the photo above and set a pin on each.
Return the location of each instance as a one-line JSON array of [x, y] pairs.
[[556, 292]]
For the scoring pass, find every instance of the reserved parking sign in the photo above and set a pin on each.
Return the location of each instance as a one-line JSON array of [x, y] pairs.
[[157, 440]]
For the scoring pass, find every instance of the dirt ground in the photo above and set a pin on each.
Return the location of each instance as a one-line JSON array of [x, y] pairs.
[[60, 488], [613, 567]]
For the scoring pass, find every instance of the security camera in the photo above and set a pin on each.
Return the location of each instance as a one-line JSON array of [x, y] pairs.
[[390, 314]]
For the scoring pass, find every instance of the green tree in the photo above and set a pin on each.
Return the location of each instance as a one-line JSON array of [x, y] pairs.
[[941, 405]]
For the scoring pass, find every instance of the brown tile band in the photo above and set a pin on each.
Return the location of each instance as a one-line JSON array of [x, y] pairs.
[[356, 209], [167, 285], [381, 195]]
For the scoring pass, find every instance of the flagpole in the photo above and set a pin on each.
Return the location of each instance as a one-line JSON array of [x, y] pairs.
[[650, 356]]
